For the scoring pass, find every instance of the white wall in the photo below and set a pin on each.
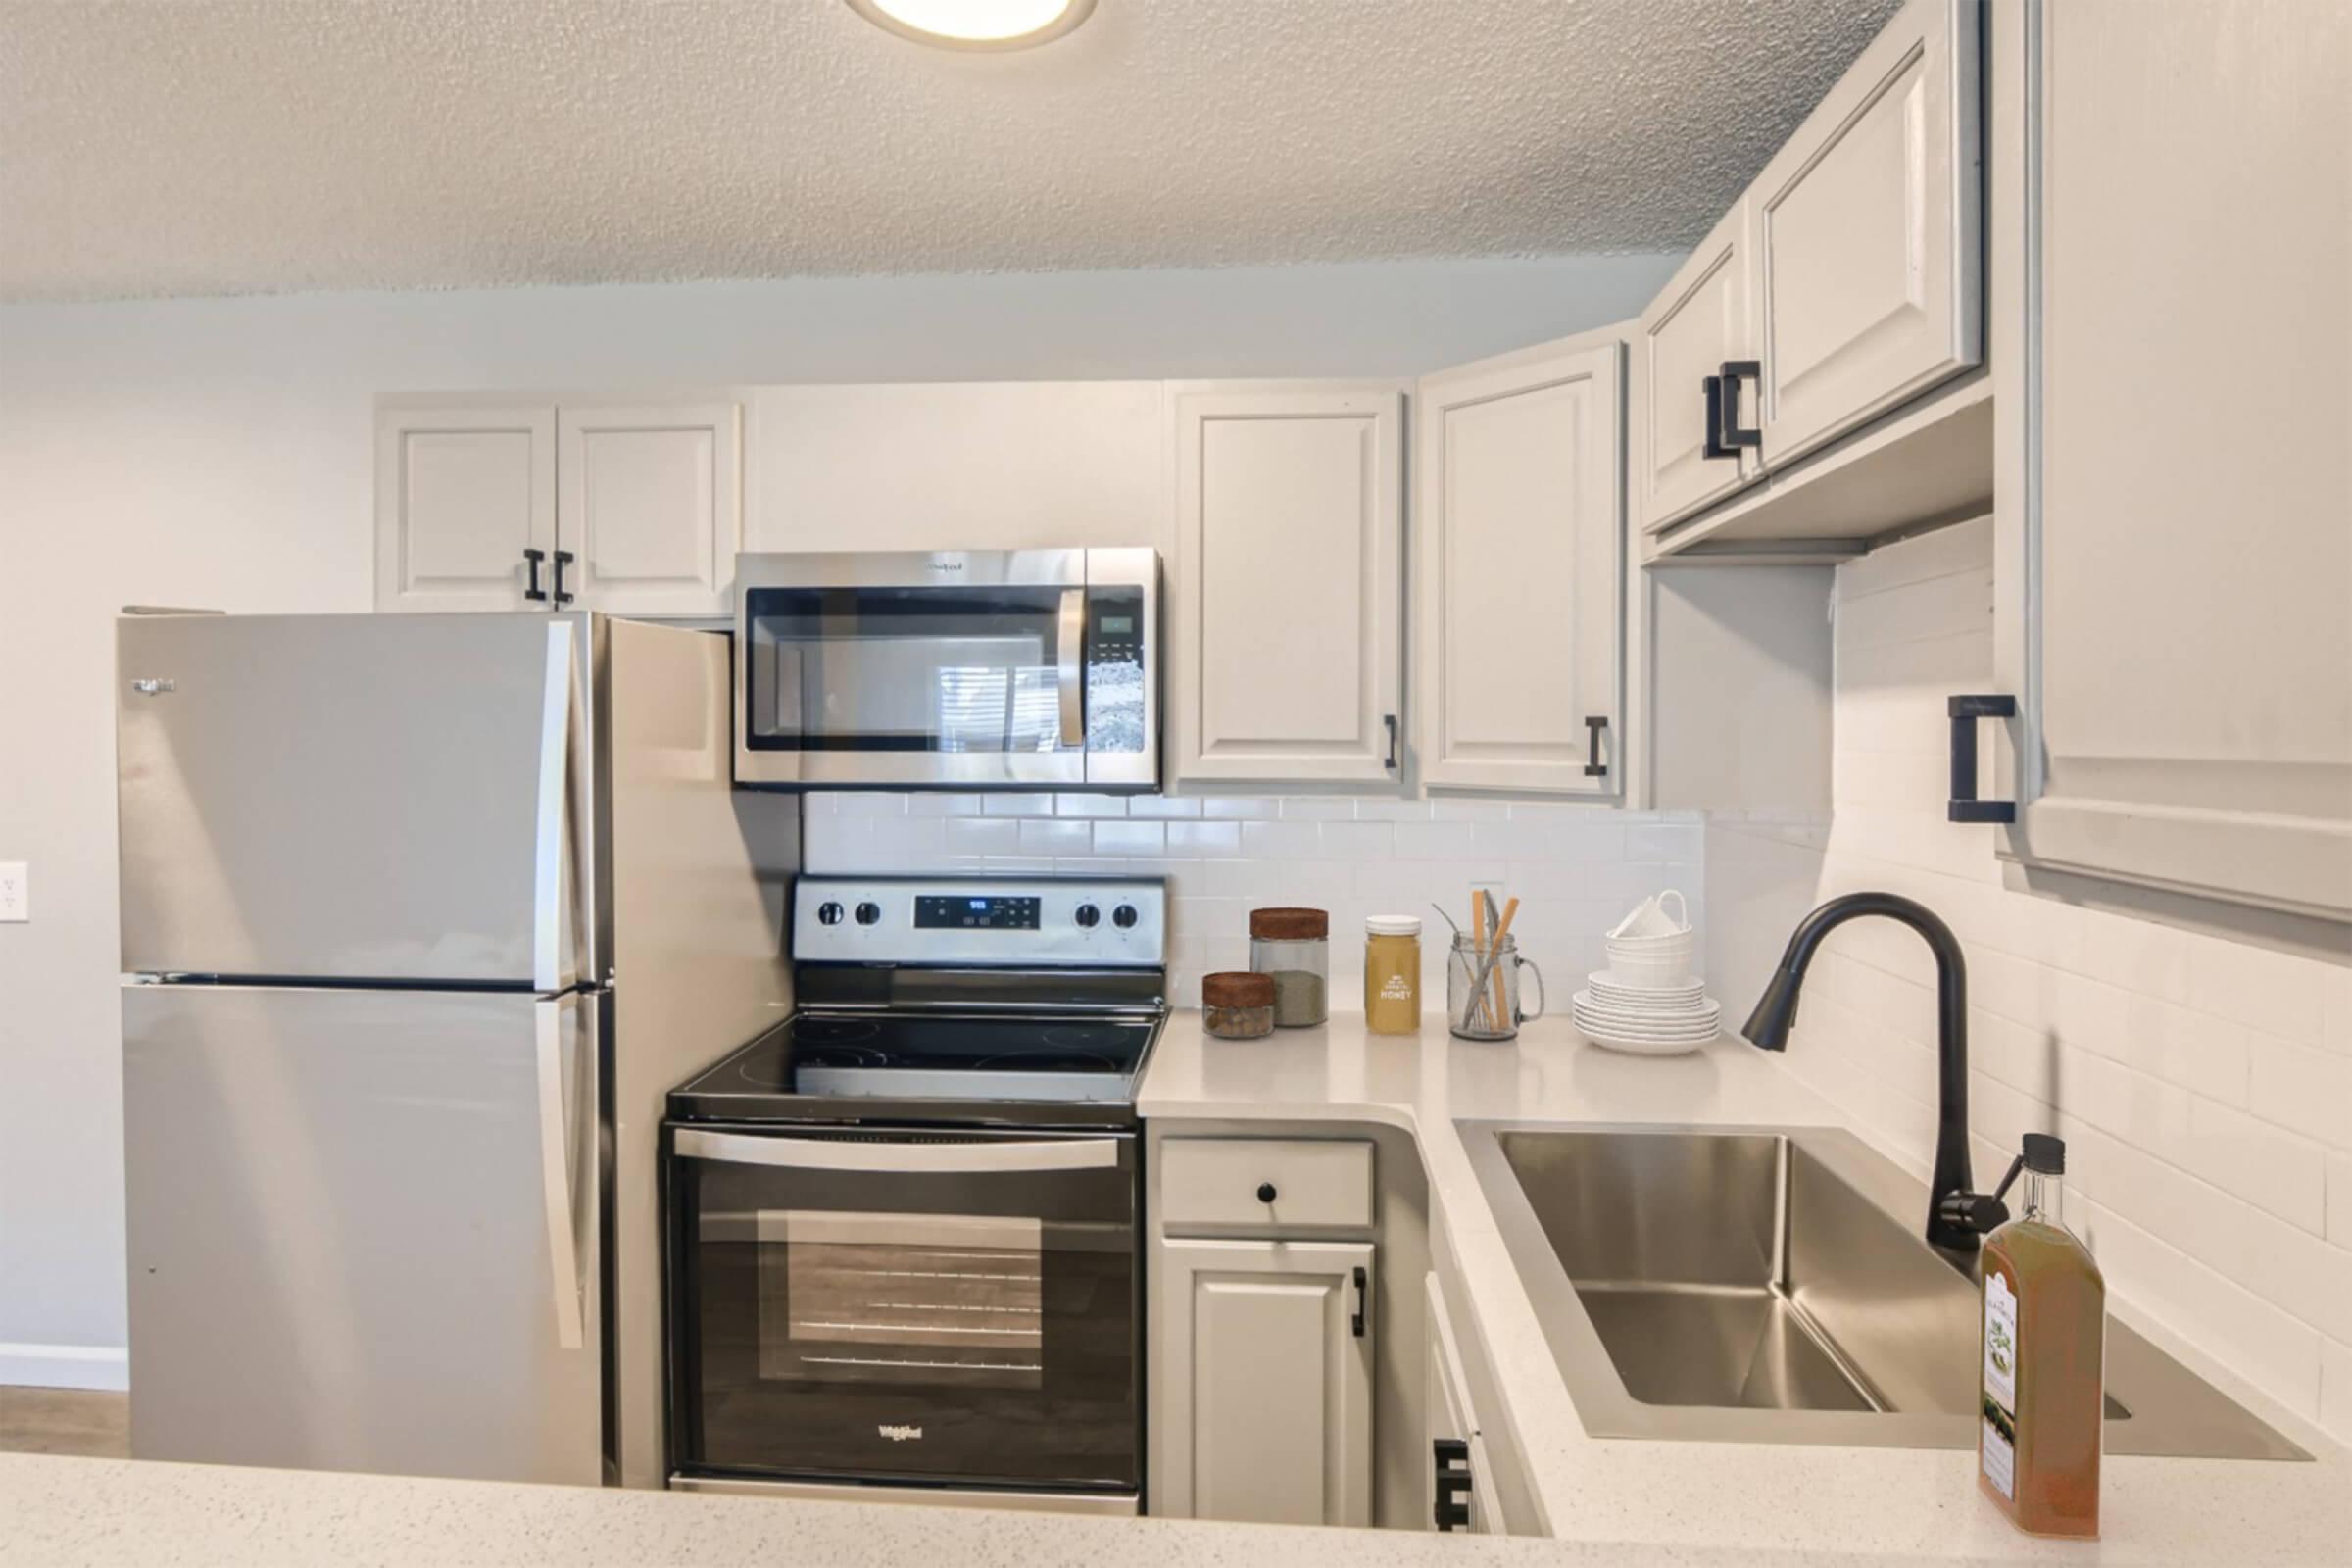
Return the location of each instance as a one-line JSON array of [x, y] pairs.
[[219, 452], [1575, 869], [2203, 1086]]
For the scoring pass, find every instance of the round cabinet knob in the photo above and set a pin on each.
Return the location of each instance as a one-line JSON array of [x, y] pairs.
[[829, 914], [1089, 916], [868, 914], [1123, 916], [1266, 1192]]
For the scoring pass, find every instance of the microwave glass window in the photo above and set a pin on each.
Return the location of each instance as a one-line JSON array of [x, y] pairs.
[[908, 670]]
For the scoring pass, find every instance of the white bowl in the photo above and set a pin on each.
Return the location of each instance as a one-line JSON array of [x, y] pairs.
[[1667, 969]]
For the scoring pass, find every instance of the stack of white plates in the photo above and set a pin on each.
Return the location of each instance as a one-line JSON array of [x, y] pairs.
[[1652, 1020]]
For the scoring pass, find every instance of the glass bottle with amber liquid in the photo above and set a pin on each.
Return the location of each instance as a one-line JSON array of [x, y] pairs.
[[2043, 1389]]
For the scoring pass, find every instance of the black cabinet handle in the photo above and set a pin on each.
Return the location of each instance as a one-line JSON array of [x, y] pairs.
[[1713, 446], [562, 560], [1453, 1456], [1594, 767], [1362, 1290], [531, 590], [1266, 1192], [1963, 806], [1734, 371], [1389, 719]]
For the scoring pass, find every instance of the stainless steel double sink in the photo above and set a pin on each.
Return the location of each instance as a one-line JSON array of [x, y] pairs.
[[1771, 1285]]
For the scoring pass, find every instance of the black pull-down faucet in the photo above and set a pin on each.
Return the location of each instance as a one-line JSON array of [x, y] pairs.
[[1956, 1215]]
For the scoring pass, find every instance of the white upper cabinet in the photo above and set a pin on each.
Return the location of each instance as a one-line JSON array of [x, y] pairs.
[[649, 506], [1517, 530], [2174, 527], [462, 494], [1287, 633], [631, 508], [1700, 322], [1867, 236]]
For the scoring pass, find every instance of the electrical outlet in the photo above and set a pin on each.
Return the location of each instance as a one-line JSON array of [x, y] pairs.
[[16, 896]]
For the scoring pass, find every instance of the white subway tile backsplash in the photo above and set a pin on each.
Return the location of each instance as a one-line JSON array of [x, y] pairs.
[[1456, 808], [1203, 839], [1250, 808], [1431, 841], [982, 835], [1019, 805], [1358, 841], [1130, 838], [1318, 808], [2204, 1086], [929, 802], [1090, 806], [1382, 808], [1162, 806], [1055, 836]]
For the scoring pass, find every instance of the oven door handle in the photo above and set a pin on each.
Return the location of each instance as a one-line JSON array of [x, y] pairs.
[[1073, 647], [973, 1157]]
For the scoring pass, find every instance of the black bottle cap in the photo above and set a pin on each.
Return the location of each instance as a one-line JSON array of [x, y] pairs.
[[2044, 1154]]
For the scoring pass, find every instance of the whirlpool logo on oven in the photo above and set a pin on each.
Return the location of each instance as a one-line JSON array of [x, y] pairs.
[[901, 1434]]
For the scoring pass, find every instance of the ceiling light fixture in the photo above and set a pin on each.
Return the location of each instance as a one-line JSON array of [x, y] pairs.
[[976, 23]]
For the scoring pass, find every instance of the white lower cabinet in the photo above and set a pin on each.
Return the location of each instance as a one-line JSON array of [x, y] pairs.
[[1264, 1386], [1456, 1453]]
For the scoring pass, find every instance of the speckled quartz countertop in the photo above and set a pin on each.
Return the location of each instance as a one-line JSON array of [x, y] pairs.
[[1879, 1503]]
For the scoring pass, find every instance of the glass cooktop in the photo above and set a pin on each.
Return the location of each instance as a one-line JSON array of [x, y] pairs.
[[906, 1056]]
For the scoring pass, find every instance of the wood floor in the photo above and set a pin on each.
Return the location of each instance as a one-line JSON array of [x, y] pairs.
[[65, 1421]]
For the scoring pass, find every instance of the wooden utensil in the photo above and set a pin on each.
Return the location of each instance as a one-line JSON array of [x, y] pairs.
[[1502, 929]]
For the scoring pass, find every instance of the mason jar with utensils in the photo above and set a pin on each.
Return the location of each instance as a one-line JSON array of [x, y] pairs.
[[1482, 989]]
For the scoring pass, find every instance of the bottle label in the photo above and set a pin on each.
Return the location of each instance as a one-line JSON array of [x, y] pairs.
[[1997, 1446]]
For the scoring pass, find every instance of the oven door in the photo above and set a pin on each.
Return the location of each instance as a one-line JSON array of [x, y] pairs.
[[1020, 669], [941, 1308]]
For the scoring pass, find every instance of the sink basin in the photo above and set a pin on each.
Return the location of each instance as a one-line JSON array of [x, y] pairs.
[[1770, 1285]]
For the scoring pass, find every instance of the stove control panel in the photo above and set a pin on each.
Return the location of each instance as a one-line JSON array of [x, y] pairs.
[[1029, 923]]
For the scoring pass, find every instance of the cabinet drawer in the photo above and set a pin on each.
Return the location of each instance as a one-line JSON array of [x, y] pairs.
[[1212, 1185]]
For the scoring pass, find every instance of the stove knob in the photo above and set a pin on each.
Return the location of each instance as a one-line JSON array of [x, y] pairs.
[[1089, 916], [1123, 916], [868, 914], [829, 914]]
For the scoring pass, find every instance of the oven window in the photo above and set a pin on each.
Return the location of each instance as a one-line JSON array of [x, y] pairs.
[[952, 1299], [908, 670], [975, 1328]]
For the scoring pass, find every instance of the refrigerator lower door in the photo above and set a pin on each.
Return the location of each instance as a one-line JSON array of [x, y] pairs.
[[403, 798], [364, 1230]]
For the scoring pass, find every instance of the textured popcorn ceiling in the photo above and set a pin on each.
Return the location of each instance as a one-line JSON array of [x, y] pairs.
[[227, 146]]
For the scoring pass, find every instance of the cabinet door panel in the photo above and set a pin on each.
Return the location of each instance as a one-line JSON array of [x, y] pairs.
[[460, 494], [1516, 551], [1266, 1389], [1697, 321], [1289, 556], [1867, 236], [649, 502], [2173, 565]]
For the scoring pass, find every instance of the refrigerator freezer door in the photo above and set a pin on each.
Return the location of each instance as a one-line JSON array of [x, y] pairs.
[[356, 796], [364, 1231]]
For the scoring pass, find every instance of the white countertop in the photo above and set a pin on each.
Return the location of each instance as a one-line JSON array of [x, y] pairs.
[[1617, 1501], [1918, 1503]]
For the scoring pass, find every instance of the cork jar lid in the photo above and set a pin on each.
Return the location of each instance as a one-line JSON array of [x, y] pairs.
[[1289, 925], [1237, 987]]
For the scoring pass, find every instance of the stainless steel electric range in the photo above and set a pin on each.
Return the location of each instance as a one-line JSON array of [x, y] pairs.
[[903, 1249]]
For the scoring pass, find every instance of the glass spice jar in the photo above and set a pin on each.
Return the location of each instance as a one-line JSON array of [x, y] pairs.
[[1392, 974], [1294, 947], [1237, 1004]]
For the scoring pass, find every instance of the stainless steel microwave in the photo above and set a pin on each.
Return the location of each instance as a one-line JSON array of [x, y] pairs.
[[952, 669]]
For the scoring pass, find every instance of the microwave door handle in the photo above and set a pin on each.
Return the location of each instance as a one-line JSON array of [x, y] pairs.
[[1073, 647], [975, 1157]]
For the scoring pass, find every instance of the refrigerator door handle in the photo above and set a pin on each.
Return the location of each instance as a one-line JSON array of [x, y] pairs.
[[555, 1172], [976, 1156], [548, 892]]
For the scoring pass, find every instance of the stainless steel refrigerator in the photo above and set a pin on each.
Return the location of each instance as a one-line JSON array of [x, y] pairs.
[[421, 916]]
